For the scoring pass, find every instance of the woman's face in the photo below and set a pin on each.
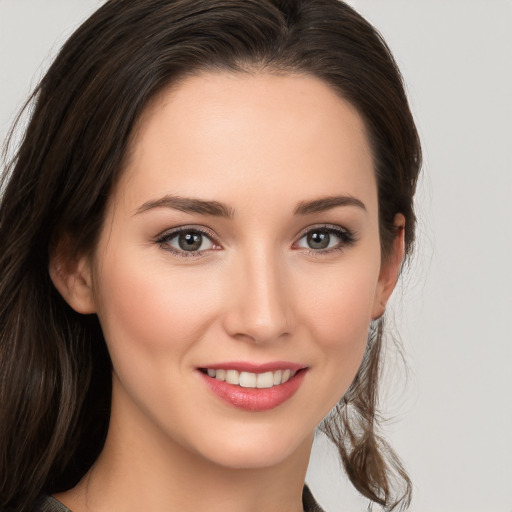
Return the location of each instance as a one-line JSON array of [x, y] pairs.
[[242, 242]]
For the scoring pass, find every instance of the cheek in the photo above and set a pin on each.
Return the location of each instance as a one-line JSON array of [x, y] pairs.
[[339, 314], [147, 307], [340, 310]]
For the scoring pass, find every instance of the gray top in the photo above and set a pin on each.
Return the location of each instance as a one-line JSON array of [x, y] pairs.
[[49, 504]]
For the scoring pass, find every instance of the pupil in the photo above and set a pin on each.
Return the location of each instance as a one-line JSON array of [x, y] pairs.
[[318, 240], [190, 241]]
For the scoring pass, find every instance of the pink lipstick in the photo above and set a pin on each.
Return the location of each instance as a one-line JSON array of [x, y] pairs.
[[254, 387]]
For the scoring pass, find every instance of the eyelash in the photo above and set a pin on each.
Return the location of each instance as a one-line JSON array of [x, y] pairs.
[[165, 239], [347, 239]]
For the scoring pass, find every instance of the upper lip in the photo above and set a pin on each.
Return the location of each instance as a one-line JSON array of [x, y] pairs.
[[245, 366]]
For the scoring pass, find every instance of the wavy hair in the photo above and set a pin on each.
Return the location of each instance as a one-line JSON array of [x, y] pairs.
[[55, 372]]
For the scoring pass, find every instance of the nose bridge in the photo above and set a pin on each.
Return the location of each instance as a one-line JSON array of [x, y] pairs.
[[260, 305]]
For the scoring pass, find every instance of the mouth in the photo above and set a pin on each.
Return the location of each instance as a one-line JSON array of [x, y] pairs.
[[244, 379], [254, 388]]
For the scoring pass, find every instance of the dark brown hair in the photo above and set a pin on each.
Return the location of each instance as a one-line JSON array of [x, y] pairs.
[[55, 372]]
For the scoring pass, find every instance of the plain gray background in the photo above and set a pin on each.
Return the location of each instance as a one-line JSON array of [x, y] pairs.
[[451, 410]]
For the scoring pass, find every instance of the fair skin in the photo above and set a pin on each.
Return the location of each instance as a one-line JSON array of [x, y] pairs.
[[275, 277]]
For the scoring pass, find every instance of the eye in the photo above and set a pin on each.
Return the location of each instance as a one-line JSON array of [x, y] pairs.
[[187, 242], [325, 238]]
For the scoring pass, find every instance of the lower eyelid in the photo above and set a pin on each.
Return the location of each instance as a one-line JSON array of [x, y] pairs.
[[197, 251]]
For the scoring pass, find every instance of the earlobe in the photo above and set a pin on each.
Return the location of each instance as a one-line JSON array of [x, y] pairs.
[[390, 269], [71, 275]]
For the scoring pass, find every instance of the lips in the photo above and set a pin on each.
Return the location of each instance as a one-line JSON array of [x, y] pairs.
[[254, 387]]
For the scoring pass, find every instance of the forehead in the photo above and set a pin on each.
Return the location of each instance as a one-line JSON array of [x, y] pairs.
[[218, 133]]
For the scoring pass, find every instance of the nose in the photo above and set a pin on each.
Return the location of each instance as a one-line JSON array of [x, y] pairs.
[[259, 304]]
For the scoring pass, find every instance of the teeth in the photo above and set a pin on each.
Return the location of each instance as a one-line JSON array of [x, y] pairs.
[[232, 377], [248, 380], [252, 380], [265, 380]]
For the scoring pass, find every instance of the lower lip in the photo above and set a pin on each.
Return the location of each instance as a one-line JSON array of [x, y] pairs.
[[254, 399]]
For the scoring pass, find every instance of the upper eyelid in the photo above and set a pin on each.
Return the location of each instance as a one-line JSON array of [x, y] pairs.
[[169, 233], [333, 227]]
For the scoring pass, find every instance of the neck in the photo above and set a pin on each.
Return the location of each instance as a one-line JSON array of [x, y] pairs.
[[142, 468]]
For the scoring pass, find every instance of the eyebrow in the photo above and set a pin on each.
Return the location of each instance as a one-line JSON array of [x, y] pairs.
[[327, 203], [217, 209], [189, 205]]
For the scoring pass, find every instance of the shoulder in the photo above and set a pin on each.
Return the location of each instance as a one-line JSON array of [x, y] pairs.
[[49, 504]]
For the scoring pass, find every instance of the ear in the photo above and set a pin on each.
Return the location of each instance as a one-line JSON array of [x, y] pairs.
[[71, 274], [390, 269]]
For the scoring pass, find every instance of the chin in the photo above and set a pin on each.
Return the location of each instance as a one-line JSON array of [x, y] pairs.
[[253, 451]]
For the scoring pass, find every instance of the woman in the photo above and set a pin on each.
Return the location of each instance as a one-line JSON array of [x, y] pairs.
[[200, 232]]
